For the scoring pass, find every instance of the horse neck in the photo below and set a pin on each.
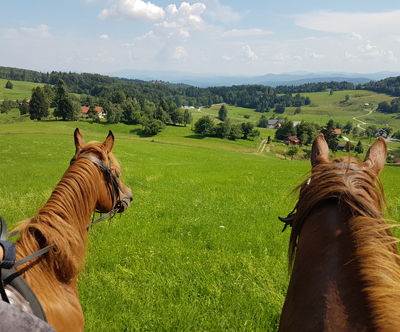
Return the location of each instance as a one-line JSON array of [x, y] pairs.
[[61, 221], [331, 278]]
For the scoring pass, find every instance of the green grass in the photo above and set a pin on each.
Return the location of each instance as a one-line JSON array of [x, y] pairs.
[[200, 248], [20, 89]]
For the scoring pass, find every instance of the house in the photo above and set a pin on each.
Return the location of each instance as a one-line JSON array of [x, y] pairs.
[[295, 123], [341, 146], [99, 110], [274, 124], [291, 140], [337, 132], [398, 161], [382, 133]]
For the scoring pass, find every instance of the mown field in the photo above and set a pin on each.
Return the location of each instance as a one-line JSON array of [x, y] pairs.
[[200, 248]]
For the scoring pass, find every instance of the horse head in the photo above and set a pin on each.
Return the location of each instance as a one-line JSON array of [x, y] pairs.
[[375, 158], [113, 194]]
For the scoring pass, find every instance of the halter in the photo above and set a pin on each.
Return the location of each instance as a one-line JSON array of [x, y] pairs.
[[111, 179], [290, 217]]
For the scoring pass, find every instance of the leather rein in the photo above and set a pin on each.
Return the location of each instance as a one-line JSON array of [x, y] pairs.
[[10, 252]]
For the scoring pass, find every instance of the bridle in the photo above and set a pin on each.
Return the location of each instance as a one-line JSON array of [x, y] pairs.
[[117, 205], [288, 221], [112, 180]]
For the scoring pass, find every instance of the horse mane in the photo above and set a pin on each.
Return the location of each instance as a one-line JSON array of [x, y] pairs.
[[62, 221], [361, 191]]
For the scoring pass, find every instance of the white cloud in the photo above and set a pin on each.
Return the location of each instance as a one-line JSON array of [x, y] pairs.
[[340, 22], [133, 10], [104, 58], [227, 58], [42, 31], [104, 37], [221, 13], [347, 55], [356, 35], [179, 54], [280, 57], [246, 33], [391, 57], [249, 53], [185, 18], [312, 54]]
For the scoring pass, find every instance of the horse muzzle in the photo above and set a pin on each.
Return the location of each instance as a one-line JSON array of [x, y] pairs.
[[126, 200]]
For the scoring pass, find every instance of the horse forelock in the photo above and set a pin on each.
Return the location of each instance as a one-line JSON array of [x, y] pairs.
[[361, 191]]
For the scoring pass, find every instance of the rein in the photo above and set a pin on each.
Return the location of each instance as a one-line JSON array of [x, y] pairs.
[[292, 215]]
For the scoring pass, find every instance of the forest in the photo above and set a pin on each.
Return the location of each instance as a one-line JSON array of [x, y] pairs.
[[156, 104]]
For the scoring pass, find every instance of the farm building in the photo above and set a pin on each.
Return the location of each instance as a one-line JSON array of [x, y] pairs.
[[274, 124], [99, 110], [291, 140]]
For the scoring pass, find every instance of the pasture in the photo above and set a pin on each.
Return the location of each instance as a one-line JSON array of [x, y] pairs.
[[199, 249]]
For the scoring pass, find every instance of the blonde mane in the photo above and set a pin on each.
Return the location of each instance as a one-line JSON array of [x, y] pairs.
[[359, 190]]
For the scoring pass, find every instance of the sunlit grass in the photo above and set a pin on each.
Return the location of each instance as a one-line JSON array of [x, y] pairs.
[[200, 248]]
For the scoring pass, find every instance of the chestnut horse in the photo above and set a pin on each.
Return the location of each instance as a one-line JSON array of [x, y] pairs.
[[63, 221], [346, 273]]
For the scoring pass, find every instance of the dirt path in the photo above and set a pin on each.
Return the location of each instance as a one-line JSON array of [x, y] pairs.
[[361, 122]]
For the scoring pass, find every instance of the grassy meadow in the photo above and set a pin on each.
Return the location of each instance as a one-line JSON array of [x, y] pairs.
[[201, 247]]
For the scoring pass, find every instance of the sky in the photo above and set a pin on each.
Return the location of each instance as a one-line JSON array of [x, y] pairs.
[[219, 37]]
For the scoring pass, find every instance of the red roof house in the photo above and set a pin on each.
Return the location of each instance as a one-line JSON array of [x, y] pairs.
[[99, 110], [337, 131], [291, 140]]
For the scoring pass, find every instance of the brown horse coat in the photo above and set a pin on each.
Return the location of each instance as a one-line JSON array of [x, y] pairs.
[[346, 273]]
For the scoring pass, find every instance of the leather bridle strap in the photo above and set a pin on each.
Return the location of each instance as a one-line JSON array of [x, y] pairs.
[[112, 179]]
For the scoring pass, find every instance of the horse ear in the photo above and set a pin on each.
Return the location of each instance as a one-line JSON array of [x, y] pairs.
[[376, 156], [319, 151], [109, 142], [79, 141]]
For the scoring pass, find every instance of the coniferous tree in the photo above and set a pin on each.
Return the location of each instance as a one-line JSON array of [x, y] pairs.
[[222, 113], [39, 105]]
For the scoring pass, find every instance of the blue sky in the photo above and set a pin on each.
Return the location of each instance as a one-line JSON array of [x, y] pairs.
[[209, 36]]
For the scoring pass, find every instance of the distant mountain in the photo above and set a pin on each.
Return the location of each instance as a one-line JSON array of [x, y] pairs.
[[207, 80]]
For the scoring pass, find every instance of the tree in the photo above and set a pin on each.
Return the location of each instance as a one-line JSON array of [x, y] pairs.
[[330, 136], [347, 127], [247, 128], [307, 130], [153, 127], [24, 107], [280, 108], [370, 131], [359, 148], [39, 105], [292, 151], [222, 113], [263, 123], [5, 106], [66, 107], [9, 85], [285, 130], [204, 126], [187, 117], [236, 132]]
